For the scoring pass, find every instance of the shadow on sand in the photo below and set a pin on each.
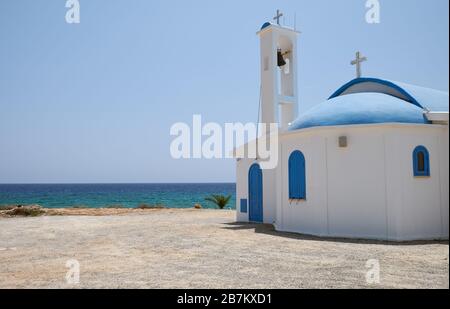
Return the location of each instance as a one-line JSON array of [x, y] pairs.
[[269, 229]]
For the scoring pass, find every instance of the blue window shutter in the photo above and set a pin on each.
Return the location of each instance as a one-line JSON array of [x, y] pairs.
[[297, 176], [421, 162], [302, 173], [294, 187]]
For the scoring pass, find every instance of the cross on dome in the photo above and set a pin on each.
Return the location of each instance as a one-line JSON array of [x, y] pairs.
[[358, 62]]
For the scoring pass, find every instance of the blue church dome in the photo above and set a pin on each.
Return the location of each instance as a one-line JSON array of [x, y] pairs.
[[265, 25], [371, 101]]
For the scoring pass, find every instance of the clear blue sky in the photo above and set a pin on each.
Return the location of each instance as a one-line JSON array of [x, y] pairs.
[[94, 102]]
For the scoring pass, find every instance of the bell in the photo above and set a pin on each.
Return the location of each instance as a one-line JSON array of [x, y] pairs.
[[281, 61]]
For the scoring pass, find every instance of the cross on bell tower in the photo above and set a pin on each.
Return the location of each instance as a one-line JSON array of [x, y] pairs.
[[358, 62], [278, 16]]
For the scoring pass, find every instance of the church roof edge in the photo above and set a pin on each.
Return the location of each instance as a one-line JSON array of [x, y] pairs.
[[425, 98]]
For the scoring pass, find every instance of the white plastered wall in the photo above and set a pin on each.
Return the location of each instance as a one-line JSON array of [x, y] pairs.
[[367, 190], [269, 191]]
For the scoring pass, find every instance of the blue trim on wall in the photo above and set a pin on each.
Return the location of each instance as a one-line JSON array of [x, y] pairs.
[[244, 205], [426, 164], [341, 90], [297, 176], [255, 193]]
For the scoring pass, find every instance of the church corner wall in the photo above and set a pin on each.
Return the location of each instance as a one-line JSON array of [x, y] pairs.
[[444, 174], [279, 188], [242, 167], [269, 195], [269, 191], [367, 189], [416, 203]]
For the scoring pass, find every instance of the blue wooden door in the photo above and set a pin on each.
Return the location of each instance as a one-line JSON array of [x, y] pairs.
[[255, 194]]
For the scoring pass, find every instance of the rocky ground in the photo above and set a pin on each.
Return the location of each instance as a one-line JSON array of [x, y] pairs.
[[168, 248]]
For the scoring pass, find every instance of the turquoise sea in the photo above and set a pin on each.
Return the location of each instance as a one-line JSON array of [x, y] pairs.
[[104, 195]]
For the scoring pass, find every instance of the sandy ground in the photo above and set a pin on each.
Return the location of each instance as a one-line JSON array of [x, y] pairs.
[[81, 211], [202, 249]]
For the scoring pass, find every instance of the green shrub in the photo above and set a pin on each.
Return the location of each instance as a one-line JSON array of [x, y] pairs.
[[26, 211], [220, 201]]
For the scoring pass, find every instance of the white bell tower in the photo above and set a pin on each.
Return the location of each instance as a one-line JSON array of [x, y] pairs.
[[279, 96]]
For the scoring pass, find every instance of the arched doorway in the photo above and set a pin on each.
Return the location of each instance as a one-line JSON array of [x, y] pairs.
[[255, 193]]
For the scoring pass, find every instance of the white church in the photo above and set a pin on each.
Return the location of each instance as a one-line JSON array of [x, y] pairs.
[[371, 162]]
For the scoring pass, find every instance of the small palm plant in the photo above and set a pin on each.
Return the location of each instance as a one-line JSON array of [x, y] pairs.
[[221, 201]]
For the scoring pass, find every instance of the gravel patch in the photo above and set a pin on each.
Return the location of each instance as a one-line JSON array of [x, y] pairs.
[[202, 249]]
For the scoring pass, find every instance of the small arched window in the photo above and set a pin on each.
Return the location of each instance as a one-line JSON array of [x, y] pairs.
[[421, 162], [297, 176]]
